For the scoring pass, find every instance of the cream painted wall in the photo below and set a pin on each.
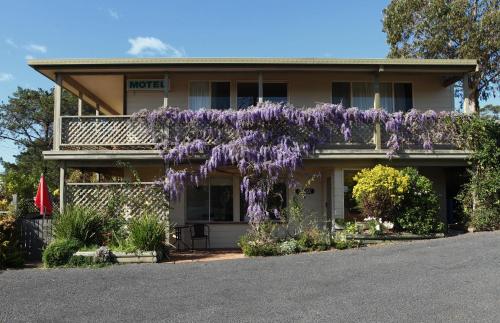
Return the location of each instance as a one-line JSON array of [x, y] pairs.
[[138, 100], [304, 88], [225, 235]]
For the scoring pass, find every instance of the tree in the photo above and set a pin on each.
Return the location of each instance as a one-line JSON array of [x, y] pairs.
[[27, 120], [491, 110], [462, 29]]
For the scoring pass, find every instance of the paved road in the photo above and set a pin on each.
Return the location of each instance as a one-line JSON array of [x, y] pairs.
[[448, 280]]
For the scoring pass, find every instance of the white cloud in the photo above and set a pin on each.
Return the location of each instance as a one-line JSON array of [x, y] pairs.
[[4, 77], [29, 57], [114, 14], [10, 42], [37, 48], [151, 46]]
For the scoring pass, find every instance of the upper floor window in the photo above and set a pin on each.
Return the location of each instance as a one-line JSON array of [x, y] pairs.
[[403, 96], [248, 93], [341, 93], [393, 96], [275, 92], [205, 94]]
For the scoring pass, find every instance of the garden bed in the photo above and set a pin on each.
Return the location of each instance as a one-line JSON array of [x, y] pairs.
[[127, 257], [393, 237]]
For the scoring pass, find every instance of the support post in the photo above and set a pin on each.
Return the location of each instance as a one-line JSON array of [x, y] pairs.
[[236, 201], [261, 88], [338, 193], [98, 110], [80, 104], [57, 112], [165, 90], [377, 135], [469, 103], [62, 185]]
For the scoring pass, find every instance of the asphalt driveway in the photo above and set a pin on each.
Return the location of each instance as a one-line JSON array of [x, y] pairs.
[[448, 280]]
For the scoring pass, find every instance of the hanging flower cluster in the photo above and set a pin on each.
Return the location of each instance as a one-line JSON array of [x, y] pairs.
[[269, 141]]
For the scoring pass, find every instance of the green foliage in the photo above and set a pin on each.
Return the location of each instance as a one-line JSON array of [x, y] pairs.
[[448, 29], [85, 262], [351, 228], [485, 219], [10, 253], [418, 211], [313, 239], [253, 247], [82, 224], [80, 261], [262, 240], [341, 242], [379, 190], [289, 247], [59, 252], [147, 232], [480, 196], [26, 119]]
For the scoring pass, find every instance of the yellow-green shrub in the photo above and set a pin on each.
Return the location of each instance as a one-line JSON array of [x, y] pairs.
[[379, 190]]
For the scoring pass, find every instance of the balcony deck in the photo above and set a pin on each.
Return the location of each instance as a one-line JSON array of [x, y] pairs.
[[117, 137]]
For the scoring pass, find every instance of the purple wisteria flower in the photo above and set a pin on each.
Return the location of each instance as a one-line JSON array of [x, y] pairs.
[[268, 142]]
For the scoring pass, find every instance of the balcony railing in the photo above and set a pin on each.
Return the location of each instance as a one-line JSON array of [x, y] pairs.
[[104, 132], [121, 133]]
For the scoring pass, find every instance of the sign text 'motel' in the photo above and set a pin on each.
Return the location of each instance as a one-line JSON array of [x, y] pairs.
[[145, 85]]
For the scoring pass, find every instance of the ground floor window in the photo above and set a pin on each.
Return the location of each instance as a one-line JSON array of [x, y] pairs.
[[211, 202], [277, 199]]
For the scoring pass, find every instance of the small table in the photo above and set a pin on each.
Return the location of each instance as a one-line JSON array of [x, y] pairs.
[[178, 236]]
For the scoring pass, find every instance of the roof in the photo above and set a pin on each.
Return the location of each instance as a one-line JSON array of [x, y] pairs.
[[470, 63]]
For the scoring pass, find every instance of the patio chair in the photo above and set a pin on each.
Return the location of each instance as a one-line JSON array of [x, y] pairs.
[[200, 231]]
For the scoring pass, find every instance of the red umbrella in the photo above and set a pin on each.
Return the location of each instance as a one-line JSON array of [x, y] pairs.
[[42, 199]]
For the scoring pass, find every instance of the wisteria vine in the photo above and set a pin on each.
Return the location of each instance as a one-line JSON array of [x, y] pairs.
[[268, 142]]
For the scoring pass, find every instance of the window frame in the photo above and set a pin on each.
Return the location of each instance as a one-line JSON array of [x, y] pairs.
[[257, 82], [210, 221], [392, 86], [209, 91]]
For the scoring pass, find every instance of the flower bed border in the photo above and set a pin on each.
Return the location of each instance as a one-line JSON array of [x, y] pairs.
[[396, 237], [126, 257]]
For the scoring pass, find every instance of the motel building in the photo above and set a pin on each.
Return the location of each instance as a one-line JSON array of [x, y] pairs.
[[105, 148]]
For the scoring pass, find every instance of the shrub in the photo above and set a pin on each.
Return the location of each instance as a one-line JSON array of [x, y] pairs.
[[10, 254], [59, 252], [288, 247], [82, 224], [485, 219], [419, 209], [147, 232], [480, 196], [80, 261], [252, 246], [313, 239], [351, 228], [341, 242], [379, 190]]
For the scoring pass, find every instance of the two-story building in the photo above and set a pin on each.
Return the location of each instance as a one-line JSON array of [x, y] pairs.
[[116, 88]]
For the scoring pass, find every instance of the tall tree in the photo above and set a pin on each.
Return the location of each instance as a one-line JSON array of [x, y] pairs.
[[466, 29], [27, 121]]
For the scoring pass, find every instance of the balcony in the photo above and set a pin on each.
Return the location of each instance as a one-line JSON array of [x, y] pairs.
[[116, 137]]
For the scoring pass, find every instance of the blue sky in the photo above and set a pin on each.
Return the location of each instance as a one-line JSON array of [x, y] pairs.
[[76, 29]]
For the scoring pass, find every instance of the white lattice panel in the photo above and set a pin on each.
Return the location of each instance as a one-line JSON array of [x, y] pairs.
[[135, 199], [104, 131]]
